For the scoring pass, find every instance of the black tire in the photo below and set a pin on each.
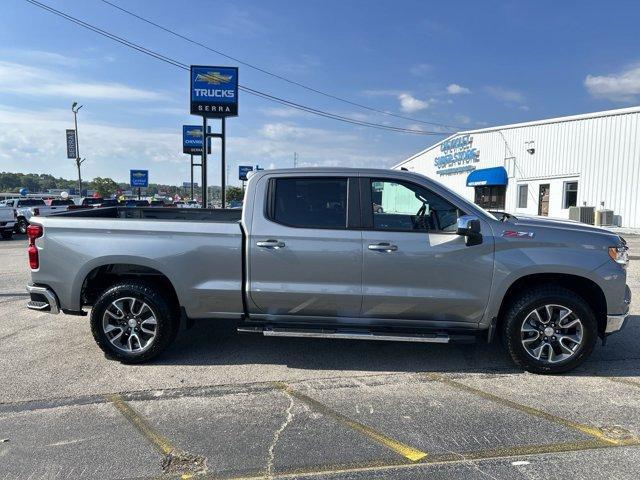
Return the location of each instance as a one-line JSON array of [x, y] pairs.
[[537, 298], [166, 314], [21, 226], [7, 235]]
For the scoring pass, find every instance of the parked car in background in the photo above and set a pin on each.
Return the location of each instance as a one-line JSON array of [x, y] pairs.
[[28, 207], [7, 221], [88, 201], [310, 255], [157, 203]]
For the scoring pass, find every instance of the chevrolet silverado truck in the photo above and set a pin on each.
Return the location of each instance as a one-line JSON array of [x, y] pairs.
[[26, 208], [335, 253]]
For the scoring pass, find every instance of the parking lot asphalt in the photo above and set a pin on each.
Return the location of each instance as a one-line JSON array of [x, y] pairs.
[[219, 404]]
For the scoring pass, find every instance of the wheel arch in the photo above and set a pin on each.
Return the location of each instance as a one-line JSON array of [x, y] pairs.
[[586, 288], [104, 276]]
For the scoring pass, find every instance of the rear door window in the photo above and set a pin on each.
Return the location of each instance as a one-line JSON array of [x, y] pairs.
[[310, 202]]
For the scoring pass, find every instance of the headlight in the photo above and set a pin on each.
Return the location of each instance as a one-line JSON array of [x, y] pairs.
[[620, 255]]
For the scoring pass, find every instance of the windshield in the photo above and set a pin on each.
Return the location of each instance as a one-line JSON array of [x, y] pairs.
[[31, 202]]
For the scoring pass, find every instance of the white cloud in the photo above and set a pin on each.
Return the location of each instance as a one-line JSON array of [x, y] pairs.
[[620, 87], [455, 89], [33, 141], [505, 94], [410, 104], [39, 56], [19, 79], [421, 69]]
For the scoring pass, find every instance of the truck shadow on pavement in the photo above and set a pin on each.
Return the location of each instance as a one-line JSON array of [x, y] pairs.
[[217, 343]]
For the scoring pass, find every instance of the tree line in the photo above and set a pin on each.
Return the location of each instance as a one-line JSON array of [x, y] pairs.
[[106, 187]]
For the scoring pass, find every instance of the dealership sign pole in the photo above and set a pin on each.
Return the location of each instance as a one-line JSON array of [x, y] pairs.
[[214, 94], [192, 144]]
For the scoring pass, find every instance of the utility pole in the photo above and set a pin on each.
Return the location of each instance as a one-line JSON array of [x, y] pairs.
[[75, 109], [295, 159]]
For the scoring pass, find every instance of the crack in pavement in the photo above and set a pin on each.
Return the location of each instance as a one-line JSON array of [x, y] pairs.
[[276, 436]]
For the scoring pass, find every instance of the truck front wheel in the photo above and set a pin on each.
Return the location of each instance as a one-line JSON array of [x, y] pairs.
[[133, 323], [549, 330], [21, 225]]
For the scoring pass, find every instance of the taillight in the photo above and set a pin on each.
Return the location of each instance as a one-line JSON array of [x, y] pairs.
[[36, 211], [33, 232]]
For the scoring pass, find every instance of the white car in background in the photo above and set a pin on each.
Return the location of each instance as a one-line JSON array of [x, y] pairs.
[[7, 221]]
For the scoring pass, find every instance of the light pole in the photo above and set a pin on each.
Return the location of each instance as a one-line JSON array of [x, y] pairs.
[[75, 109]]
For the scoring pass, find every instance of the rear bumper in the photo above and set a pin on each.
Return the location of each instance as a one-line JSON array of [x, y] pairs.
[[42, 299]]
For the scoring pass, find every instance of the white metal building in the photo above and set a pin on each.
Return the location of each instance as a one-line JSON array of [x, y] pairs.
[[545, 167]]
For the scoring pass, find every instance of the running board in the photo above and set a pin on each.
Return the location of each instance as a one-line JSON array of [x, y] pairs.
[[351, 335]]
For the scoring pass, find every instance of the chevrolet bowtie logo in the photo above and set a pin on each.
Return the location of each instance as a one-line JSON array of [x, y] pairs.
[[213, 78]]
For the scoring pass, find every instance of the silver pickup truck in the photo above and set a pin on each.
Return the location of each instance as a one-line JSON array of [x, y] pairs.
[[335, 253]]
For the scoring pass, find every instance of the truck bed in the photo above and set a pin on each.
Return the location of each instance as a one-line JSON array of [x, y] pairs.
[[158, 213]]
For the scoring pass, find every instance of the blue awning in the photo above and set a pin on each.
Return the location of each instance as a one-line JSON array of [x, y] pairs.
[[488, 176]]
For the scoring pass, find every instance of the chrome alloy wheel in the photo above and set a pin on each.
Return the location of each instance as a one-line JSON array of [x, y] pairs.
[[551, 333], [130, 325]]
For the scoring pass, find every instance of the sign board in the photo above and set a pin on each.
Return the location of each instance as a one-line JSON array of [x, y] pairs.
[[71, 144], [139, 178], [188, 184], [243, 170], [458, 156], [192, 140], [214, 91]]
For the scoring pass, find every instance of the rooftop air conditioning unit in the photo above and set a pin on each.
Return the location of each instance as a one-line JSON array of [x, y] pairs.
[[582, 214]]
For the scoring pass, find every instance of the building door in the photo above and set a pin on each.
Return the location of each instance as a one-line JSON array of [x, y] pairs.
[[491, 197], [543, 200]]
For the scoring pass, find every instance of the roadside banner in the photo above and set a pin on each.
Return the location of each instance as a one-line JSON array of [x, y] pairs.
[[139, 178], [71, 144], [243, 170], [214, 91]]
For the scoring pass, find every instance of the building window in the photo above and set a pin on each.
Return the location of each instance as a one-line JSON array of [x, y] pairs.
[[523, 194], [570, 197]]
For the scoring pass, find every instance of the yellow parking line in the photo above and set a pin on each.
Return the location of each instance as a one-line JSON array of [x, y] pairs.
[[437, 459], [594, 432], [160, 443], [406, 451], [175, 461]]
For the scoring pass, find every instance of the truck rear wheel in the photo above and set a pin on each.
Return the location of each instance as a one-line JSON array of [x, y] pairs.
[[549, 330], [133, 323]]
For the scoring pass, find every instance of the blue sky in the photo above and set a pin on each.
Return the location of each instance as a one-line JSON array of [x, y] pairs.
[[468, 64]]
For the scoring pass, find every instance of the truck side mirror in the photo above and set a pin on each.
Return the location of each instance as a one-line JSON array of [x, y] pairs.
[[469, 227]]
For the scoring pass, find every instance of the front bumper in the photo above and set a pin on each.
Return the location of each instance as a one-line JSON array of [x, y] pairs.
[[615, 323], [42, 299]]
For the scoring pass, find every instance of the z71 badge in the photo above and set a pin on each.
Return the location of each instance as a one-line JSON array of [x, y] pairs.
[[515, 234]]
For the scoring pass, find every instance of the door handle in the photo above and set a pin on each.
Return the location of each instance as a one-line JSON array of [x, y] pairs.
[[383, 247], [275, 244]]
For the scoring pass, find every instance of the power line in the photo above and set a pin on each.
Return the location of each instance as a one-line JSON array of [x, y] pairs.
[[267, 72], [248, 90]]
